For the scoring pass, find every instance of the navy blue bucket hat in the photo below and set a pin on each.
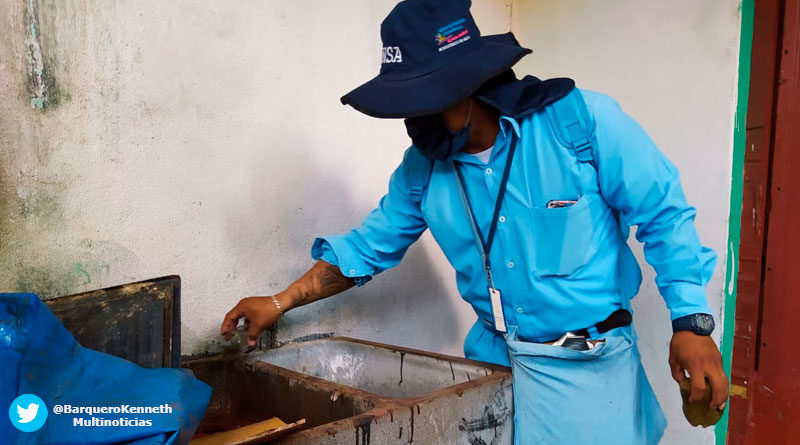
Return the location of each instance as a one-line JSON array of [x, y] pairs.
[[433, 57]]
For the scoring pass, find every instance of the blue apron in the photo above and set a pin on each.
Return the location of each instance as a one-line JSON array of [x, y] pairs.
[[564, 396], [599, 396]]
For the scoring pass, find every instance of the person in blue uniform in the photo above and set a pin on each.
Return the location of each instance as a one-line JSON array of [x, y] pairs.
[[529, 187]]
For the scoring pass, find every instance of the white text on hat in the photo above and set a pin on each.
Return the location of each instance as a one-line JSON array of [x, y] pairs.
[[391, 54]]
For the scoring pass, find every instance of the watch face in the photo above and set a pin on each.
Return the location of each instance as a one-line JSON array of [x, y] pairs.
[[703, 322]]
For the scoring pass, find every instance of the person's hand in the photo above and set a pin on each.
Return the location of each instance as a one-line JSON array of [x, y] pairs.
[[260, 313], [698, 355]]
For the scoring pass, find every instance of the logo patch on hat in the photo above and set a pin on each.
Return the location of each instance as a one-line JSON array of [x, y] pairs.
[[391, 54], [452, 34]]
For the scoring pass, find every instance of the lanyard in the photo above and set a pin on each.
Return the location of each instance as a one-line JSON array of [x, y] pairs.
[[485, 246]]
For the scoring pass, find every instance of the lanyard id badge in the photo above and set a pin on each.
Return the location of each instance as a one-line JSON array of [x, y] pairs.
[[484, 247], [497, 310]]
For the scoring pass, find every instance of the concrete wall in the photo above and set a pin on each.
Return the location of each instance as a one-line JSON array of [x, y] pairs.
[[139, 139], [147, 138], [673, 66]]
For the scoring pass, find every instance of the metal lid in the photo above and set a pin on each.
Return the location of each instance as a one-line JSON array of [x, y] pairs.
[[139, 322]]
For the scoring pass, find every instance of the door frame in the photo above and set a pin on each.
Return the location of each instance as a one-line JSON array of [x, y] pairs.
[[746, 8]]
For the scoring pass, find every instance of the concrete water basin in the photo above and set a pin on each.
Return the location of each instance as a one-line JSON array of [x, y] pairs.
[[377, 369], [354, 391]]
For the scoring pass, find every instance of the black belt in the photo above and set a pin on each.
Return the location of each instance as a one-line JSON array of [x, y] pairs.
[[620, 318]]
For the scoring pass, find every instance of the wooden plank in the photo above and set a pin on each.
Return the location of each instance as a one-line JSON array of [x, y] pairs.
[[758, 144], [259, 432], [775, 404], [763, 62]]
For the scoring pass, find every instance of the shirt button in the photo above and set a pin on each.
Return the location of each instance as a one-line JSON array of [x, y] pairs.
[[352, 271], [502, 219], [488, 171], [519, 310], [510, 264]]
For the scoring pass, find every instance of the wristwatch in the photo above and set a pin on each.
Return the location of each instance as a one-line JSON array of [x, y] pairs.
[[700, 324]]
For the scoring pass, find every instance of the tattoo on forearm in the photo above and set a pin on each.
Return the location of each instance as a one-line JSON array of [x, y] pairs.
[[331, 281], [322, 281]]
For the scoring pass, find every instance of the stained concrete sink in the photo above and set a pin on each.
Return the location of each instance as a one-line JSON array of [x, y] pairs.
[[373, 368], [354, 391]]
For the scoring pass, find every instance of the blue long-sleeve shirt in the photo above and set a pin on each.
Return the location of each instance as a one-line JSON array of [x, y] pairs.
[[558, 269]]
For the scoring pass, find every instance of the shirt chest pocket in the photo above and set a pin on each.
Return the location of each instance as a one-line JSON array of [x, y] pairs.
[[565, 238]]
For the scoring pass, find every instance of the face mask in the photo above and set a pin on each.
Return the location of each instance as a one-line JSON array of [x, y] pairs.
[[431, 135]]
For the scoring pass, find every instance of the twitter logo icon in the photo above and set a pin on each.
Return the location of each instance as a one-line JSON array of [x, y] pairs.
[[27, 413]]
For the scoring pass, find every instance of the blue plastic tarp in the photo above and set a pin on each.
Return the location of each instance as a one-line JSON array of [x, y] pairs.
[[39, 356]]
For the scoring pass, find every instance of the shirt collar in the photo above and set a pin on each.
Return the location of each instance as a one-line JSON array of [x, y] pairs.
[[507, 124]]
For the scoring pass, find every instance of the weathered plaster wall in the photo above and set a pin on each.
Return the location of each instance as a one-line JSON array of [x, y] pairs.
[[206, 139], [673, 66]]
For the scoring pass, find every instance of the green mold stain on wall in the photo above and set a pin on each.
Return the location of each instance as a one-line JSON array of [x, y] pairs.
[[54, 94], [6, 200], [10, 229], [58, 280], [43, 282], [36, 204], [45, 92], [29, 262], [35, 256]]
